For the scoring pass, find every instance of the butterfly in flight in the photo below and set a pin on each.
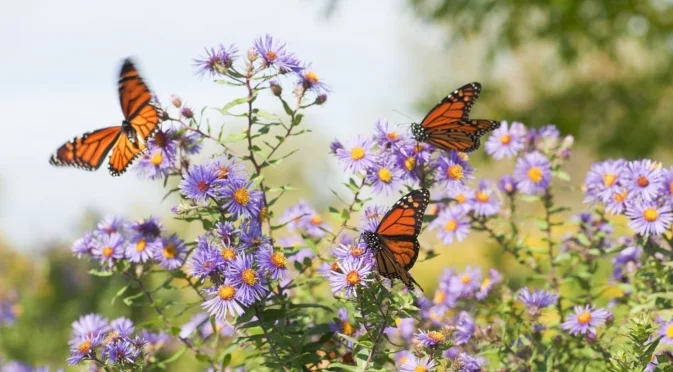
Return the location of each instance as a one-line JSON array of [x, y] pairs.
[[395, 241], [448, 125], [141, 120]]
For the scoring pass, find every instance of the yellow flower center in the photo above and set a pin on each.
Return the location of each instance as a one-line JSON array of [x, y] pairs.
[[111, 337], [669, 331], [249, 276], [226, 292], [356, 252], [485, 284], [392, 135], [157, 159], [385, 175], [271, 55], [643, 181], [505, 139], [455, 172], [620, 196], [242, 196], [584, 318], [140, 245], [436, 336], [398, 320], [316, 220], [353, 278], [357, 153], [466, 279], [509, 187], [482, 197], [278, 260], [84, 347], [535, 174], [403, 360], [228, 253], [410, 164], [609, 179], [451, 225], [107, 251], [420, 368], [346, 328], [439, 298], [311, 76], [650, 214], [170, 251], [460, 198]]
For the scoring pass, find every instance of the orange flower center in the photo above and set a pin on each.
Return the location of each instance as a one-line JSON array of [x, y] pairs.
[[316, 220], [202, 186], [311, 76], [271, 55], [439, 298], [669, 331], [392, 135], [584, 318], [466, 279], [242, 196], [535, 174], [140, 245], [620, 196], [455, 172], [356, 252], [643, 181], [410, 164], [460, 198], [353, 278], [335, 267], [226, 292], [84, 347], [346, 328], [420, 368], [609, 179], [482, 197], [505, 139], [451, 225], [223, 173], [249, 276], [650, 214], [436, 336], [170, 251], [485, 284], [228, 253], [107, 251], [278, 260]]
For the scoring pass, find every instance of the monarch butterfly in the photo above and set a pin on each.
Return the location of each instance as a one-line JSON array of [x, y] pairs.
[[448, 126], [141, 120], [395, 242]]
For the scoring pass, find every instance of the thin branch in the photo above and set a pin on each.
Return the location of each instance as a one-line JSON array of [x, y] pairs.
[[350, 211], [266, 335]]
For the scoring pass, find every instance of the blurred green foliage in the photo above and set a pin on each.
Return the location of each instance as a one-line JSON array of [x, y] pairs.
[[601, 70]]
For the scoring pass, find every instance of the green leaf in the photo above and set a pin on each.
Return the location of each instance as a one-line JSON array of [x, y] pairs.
[[265, 114], [286, 107], [238, 101], [129, 300], [101, 273], [175, 356], [341, 366], [119, 293], [226, 82], [235, 137], [563, 176]]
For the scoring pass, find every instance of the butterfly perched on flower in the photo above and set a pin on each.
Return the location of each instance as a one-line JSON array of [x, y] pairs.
[[124, 142], [448, 126], [395, 241]]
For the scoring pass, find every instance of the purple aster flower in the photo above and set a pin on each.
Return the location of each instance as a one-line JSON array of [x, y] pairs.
[[462, 198], [453, 169], [536, 300], [628, 258], [110, 225], [109, 249], [303, 217], [172, 253], [84, 245], [451, 224], [122, 326], [217, 61], [467, 283], [357, 154], [585, 320], [467, 363], [648, 218], [228, 169], [201, 183], [226, 232], [149, 229], [246, 280], [464, 328], [666, 331], [404, 329], [485, 202], [224, 300], [544, 138], [193, 324], [165, 142], [644, 179], [154, 164], [505, 141], [122, 352], [252, 237], [533, 173], [430, 339], [603, 180], [155, 341], [142, 250], [273, 264], [310, 81], [372, 217], [617, 202], [187, 112], [205, 261], [355, 251], [89, 325], [386, 136], [487, 284], [353, 274], [273, 53], [342, 325], [413, 364], [188, 141], [384, 176], [335, 145], [242, 201], [667, 184], [507, 185], [83, 347]]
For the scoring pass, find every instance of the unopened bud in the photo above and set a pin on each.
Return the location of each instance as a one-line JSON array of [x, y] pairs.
[[321, 99], [252, 54], [176, 101], [187, 112], [276, 89]]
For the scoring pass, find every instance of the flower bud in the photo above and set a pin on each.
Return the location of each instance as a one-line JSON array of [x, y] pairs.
[[276, 89], [187, 112], [321, 99], [252, 54], [176, 101]]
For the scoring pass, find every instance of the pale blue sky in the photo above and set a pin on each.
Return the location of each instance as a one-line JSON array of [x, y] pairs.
[[60, 64]]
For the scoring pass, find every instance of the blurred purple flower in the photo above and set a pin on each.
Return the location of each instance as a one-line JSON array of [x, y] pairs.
[[493, 278], [83, 347], [485, 202], [414, 364], [467, 363], [242, 200], [228, 169], [84, 245], [507, 185], [628, 258], [110, 225], [200, 183], [386, 136], [274, 54], [273, 264], [385, 177], [357, 154], [464, 328], [532, 173], [505, 141], [536, 300], [303, 217], [430, 339], [109, 249], [224, 300], [644, 179], [648, 218], [585, 320], [142, 250], [451, 224], [217, 61], [172, 253], [149, 229], [603, 180], [246, 279], [352, 275], [89, 325]]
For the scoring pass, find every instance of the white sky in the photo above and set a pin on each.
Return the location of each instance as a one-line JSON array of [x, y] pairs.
[[60, 61]]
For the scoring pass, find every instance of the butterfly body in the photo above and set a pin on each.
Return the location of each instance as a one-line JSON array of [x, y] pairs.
[[395, 241], [448, 126], [125, 142]]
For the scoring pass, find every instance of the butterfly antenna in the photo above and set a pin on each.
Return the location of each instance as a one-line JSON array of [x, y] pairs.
[[410, 119]]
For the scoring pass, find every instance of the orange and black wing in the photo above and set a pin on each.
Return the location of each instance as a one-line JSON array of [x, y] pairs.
[[404, 220], [456, 106], [88, 151], [136, 102], [389, 268], [123, 154], [461, 135]]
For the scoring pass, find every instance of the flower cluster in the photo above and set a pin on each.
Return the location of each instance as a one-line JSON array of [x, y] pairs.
[[351, 269], [112, 343], [116, 240]]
